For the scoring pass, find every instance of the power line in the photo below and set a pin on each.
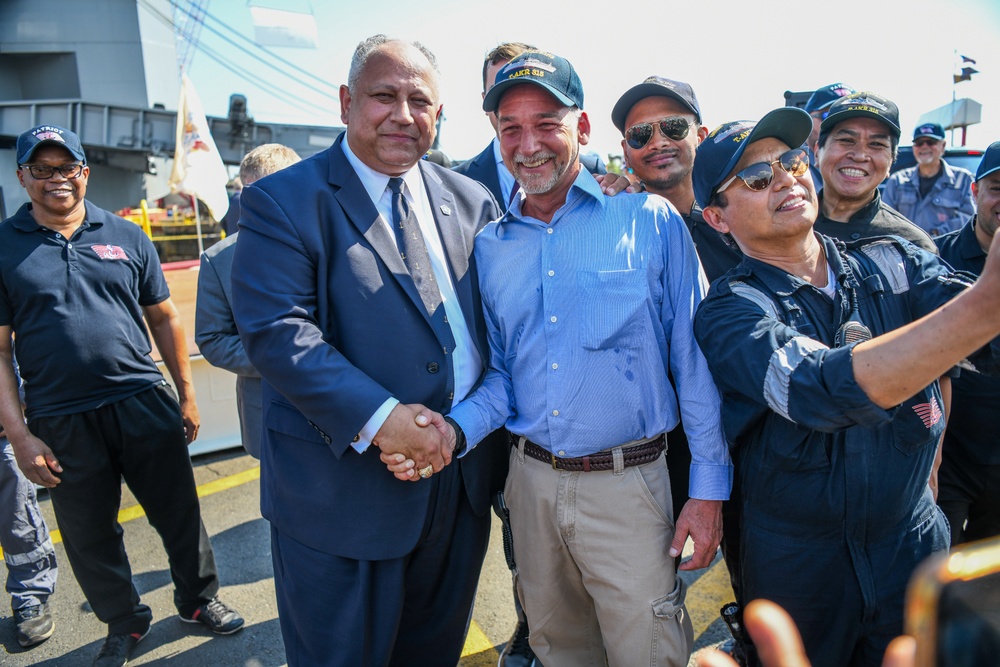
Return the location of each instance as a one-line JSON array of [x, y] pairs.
[[239, 70], [271, 56]]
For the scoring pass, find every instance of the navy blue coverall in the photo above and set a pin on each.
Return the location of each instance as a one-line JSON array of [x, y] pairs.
[[836, 508]]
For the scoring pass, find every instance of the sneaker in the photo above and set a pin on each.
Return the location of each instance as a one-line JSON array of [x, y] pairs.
[[34, 624], [219, 618], [117, 649], [517, 652]]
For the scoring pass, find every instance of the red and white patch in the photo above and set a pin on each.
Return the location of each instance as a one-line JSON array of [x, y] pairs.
[[109, 252], [929, 413]]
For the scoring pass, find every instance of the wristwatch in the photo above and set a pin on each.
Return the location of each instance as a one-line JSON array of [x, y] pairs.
[[460, 441]]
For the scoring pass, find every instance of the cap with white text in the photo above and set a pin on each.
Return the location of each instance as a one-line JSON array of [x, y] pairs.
[[551, 72], [48, 135], [931, 130]]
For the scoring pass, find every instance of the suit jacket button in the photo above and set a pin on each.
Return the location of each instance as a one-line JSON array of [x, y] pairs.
[[433, 367]]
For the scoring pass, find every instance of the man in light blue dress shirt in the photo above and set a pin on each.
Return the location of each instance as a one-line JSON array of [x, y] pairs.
[[589, 303]]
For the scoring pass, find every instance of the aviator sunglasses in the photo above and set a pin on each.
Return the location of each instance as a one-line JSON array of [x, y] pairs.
[[674, 128], [759, 175]]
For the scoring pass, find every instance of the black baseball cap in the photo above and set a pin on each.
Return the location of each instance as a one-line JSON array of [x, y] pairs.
[[551, 72], [827, 95], [932, 130], [43, 135], [719, 153], [862, 105], [990, 162], [654, 86]]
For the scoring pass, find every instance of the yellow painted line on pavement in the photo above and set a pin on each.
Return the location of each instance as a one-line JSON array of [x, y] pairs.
[[222, 484], [714, 590], [477, 642]]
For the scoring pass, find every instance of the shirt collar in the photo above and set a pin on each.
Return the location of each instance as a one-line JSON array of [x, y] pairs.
[[584, 185], [25, 222]]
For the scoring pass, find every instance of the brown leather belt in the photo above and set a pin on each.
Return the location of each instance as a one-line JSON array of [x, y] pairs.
[[634, 456]]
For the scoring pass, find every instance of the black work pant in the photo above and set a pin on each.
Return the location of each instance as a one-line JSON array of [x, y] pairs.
[[140, 439], [969, 495]]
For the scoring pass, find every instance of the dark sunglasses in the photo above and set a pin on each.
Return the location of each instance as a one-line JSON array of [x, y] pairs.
[[674, 128], [44, 172], [926, 142], [759, 175]]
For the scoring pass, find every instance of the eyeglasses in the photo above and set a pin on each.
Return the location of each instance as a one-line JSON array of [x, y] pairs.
[[44, 172], [759, 175], [926, 142], [674, 128]]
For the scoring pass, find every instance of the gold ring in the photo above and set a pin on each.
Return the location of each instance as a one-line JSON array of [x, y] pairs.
[[426, 472]]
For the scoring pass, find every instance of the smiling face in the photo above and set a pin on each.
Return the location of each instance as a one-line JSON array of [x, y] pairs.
[[391, 112], [663, 164], [855, 158], [928, 151], [764, 221], [540, 139], [57, 197]]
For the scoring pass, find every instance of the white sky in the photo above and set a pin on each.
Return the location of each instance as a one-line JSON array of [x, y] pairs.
[[739, 55]]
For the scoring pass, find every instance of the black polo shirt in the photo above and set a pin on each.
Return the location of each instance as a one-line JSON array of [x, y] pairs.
[[874, 219], [975, 398], [76, 309]]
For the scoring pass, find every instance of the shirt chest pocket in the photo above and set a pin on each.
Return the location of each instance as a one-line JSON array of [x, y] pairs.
[[919, 421], [612, 307], [949, 200], [907, 197]]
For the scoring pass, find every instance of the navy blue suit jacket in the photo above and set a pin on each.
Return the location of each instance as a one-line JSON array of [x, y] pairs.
[[483, 168], [332, 320]]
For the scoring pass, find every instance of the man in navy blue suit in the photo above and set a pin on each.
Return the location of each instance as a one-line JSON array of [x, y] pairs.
[[356, 299]]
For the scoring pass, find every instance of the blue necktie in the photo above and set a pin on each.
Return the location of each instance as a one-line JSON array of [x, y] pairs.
[[412, 249]]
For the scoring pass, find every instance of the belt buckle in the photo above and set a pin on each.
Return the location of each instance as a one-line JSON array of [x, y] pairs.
[[554, 460]]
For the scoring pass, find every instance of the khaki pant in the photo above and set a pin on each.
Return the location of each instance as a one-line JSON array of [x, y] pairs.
[[595, 575]]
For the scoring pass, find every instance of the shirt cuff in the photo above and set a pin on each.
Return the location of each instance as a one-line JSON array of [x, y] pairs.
[[710, 482], [367, 433]]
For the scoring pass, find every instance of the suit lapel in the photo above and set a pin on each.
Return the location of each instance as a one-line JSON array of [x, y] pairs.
[[362, 213]]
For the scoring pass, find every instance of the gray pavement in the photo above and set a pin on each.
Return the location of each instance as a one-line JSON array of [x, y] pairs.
[[241, 541]]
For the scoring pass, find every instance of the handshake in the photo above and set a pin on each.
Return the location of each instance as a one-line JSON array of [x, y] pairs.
[[415, 442]]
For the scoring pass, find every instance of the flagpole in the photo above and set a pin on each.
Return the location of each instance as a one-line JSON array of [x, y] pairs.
[[197, 224]]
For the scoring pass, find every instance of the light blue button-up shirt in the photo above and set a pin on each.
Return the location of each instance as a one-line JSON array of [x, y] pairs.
[[589, 318]]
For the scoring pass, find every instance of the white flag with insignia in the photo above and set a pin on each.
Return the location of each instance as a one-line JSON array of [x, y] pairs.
[[198, 168]]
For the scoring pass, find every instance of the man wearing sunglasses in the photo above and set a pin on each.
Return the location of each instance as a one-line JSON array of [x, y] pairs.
[[660, 122], [76, 284], [818, 106], [589, 301], [830, 396], [857, 145], [934, 195]]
